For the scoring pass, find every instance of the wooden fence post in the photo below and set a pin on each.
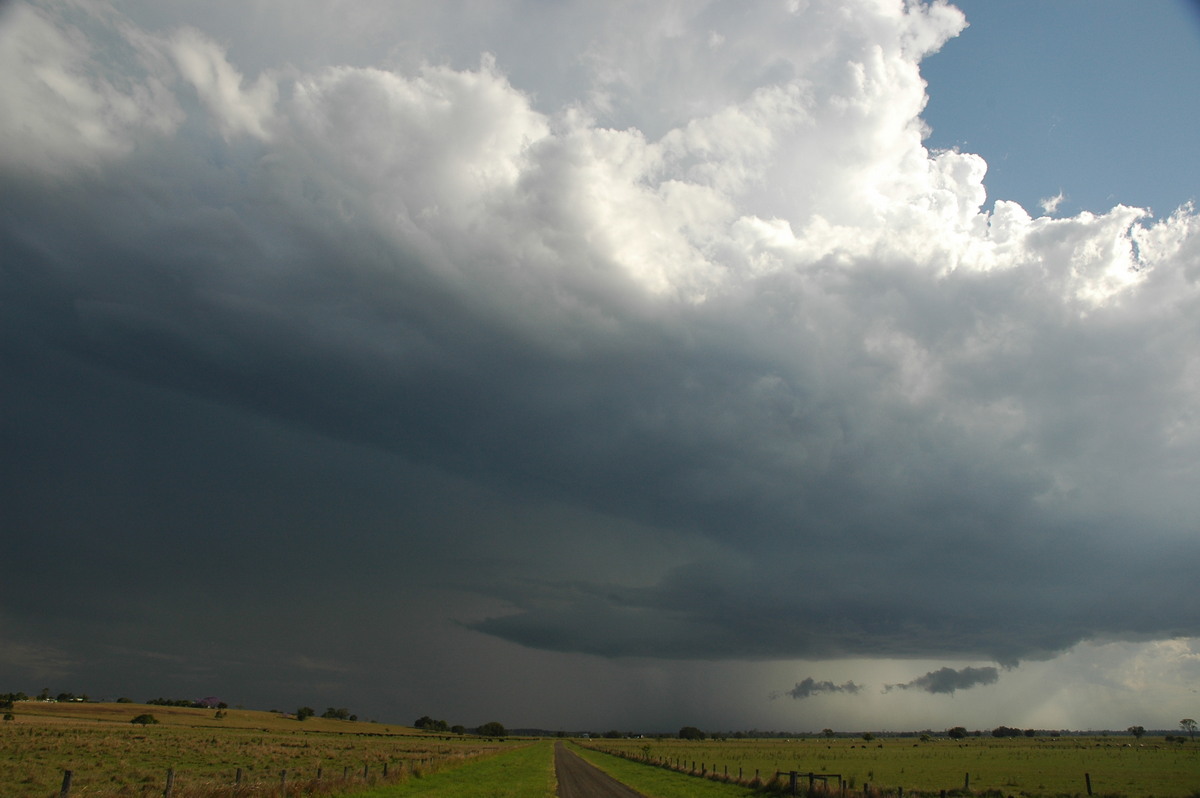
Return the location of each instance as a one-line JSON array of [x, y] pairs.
[[1087, 778], [237, 780], [66, 784], [283, 781], [967, 782], [170, 783]]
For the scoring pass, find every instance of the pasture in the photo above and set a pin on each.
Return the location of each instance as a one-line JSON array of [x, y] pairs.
[[109, 756], [1038, 766]]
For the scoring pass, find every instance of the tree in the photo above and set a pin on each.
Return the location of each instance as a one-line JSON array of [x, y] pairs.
[[956, 733], [145, 719], [1137, 731], [1189, 726], [303, 713], [828, 732], [491, 729], [691, 733], [429, 724], [868, 736]]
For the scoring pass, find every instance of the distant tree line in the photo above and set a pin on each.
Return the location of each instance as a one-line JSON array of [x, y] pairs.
[[7, 699], [490, 729]]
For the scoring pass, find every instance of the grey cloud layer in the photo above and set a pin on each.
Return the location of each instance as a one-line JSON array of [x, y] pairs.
[[833, 406]]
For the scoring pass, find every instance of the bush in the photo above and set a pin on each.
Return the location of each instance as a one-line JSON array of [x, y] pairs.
[[145, 719]]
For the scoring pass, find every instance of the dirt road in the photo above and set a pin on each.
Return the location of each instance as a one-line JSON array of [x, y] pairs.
[[579, 779]]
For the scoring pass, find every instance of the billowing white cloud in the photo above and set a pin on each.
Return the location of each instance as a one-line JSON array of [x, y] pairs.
[[695, 294]]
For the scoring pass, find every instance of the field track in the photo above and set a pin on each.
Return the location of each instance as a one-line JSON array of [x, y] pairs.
[[579, 779]]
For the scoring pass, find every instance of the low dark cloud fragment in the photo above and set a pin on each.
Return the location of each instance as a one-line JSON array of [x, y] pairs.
[[810, 687], [948, 680]]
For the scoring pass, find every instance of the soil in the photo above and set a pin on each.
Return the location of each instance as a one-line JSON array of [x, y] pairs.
[[580, 779]]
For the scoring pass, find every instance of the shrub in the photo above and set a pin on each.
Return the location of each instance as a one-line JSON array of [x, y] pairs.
[[145, 719]]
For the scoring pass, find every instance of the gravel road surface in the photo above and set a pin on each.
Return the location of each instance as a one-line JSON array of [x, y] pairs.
[[580, 779]]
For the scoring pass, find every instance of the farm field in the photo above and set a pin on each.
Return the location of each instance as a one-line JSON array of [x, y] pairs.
[[1020, 766], [109, 756]]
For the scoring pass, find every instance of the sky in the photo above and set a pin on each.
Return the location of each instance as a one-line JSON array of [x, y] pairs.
[[823, 363]]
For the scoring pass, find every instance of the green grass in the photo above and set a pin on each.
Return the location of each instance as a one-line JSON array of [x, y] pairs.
[[657, 782], [525, 772], [1037, 766]]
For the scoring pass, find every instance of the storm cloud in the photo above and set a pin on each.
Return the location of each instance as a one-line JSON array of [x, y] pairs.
[[810, 687], [948, 680], [680, 346]]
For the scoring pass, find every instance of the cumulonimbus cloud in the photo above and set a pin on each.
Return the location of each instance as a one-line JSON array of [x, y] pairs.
[[758, 322]]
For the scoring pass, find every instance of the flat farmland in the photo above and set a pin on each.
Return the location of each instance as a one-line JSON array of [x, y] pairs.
[[109, 756], [1021, 766]]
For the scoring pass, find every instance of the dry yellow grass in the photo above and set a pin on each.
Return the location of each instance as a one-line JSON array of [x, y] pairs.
[[110, 756]]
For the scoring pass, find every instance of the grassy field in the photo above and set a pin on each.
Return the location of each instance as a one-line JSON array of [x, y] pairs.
[[109, 756], [1016, 767], [524, 772]]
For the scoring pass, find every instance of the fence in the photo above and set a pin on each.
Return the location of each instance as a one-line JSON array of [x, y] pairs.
[[787, 782], [288, 783]]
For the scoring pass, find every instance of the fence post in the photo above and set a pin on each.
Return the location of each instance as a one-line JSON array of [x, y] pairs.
[[66, 784], [319, 772], [346, 773], [283, 781], [967, 782], [793, 782], [385, 769], [365, 766], [237, 779], [170, 783], [1087, 778]]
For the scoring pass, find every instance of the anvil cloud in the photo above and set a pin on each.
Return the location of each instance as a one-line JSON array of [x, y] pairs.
[[662, 338]]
